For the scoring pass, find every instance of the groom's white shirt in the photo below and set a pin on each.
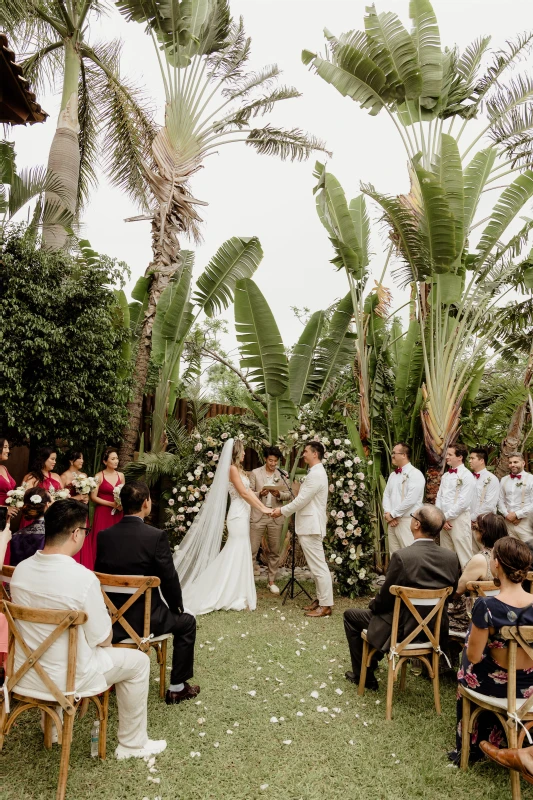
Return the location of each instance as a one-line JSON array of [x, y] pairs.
[[311, 503]]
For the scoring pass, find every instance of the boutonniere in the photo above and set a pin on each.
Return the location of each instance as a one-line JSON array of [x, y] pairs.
[[520, 483], [459, 482], [275, 478], [405, 477], [486, 481]]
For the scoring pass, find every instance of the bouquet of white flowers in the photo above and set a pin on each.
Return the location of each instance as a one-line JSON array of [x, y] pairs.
[[116, 497], [83, 484], [58, 494], [15, 497]]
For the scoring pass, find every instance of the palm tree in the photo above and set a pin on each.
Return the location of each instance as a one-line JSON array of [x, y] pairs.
[[457, 286], [212, 100], [98, 106]]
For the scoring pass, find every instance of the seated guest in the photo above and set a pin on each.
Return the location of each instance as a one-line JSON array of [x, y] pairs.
[[132, 547], [51, 579], [484, 659], [422, 565], [26, 541], [5, 537], [487, 530]]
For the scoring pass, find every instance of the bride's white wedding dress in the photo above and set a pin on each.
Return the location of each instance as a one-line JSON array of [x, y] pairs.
[[228, 582]]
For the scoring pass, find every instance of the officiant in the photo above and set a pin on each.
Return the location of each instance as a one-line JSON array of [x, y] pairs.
[[267, 484]]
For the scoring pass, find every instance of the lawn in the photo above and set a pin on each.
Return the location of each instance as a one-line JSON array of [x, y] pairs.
[[254, 668]]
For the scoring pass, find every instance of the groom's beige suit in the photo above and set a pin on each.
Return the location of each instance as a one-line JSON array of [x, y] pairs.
[[310, 508]]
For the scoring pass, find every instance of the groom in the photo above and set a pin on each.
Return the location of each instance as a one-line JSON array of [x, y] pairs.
[[310, 507]]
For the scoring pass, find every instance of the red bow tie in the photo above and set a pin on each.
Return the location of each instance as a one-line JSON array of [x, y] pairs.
[[477, 474], [451, 471], [515, 476], [398, 470]]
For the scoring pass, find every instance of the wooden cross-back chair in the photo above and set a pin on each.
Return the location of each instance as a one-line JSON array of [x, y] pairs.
[[136, 586], [400, 652], [6, 573], [15, 702], [512, 711]]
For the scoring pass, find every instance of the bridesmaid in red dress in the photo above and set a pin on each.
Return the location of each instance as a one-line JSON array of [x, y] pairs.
[[42, 474], [103, 497], [75, 462]]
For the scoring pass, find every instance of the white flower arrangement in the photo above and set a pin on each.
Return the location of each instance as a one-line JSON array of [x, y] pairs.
[[15, 497], [36, 499], [58, 494], [116, 497], [84, 485]]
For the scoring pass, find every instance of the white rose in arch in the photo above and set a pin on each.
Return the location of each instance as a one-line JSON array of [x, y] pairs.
[[338, 560], [362, 573], [181, 510], [360, 476], [171, 502], [348, 464], [302, 427], [333, 513], [215, 457], [183, 489], [175, 490], [347, 441], [224, 436], [198, 447], [210, 474], [357, 460], [359, 503], [203, 488], [337, 442]]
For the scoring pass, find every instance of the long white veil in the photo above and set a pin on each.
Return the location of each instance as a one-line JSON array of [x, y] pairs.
[[201, 544]]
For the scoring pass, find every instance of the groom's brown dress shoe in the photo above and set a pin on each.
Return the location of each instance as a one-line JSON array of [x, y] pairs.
[[187, 693], [312, 607], [319, 611], [506, 757]]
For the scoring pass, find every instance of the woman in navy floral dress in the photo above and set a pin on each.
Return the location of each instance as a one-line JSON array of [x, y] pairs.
[[484, 659]]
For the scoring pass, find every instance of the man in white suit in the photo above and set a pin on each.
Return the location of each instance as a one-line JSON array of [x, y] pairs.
[[310, 508]]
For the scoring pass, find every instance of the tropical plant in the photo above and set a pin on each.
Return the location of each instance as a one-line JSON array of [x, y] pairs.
[[62, 331], [457, 286], [212, 100], [101, 112], [285, 385]]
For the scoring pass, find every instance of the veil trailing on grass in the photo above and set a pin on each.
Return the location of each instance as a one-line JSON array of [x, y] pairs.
[[201, 544]]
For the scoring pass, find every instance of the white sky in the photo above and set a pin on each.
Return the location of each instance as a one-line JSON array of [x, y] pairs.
[[257, 195]]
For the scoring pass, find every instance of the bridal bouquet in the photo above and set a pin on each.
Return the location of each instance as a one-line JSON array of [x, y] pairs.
[[58, 494], [15, 497], [116, 497], [84, 485]]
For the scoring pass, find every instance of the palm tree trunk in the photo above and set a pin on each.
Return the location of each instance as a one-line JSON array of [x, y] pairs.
[[515, 433], [64, 156], [166, 248]]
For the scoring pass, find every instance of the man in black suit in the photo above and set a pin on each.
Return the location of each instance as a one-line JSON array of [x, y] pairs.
[[133, 548], [422, 565]]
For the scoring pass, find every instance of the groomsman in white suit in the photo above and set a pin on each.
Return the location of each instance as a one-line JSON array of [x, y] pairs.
[[487, 491], [455, 499], [310, 508], [403, 495], [516, 499]]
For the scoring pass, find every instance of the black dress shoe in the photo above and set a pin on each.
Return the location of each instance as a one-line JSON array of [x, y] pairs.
[[187, 693], [370, 683]]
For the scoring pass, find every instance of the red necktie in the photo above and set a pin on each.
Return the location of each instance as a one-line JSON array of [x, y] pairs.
[[451, 471], [398, 470], [516, 476], [477, 474]]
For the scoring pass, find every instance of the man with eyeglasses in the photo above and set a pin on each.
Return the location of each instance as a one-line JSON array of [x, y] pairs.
[[403, 494], [422, 565], [51, 579]]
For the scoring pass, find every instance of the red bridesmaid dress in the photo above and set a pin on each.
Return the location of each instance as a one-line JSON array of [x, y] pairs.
[[46, 484], [7, 484], [103, 516]]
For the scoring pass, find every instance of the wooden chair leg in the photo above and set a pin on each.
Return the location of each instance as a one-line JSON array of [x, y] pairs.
[[403, 676], [48, 729], [391, 675], [68, 726], [465, 734], [362, 677], [102, 739], [436, 683], [162, 658], [512, 739]]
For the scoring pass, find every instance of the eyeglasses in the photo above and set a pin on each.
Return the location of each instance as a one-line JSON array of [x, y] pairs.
[[87, 530], [413, 516]]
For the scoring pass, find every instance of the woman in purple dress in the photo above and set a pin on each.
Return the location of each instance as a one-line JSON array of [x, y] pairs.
[[108, 512]]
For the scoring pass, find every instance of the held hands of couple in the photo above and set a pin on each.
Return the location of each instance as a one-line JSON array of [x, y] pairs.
[[273, 513]]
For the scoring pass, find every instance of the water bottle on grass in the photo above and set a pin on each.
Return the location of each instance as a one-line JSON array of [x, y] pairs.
[[95, 735]]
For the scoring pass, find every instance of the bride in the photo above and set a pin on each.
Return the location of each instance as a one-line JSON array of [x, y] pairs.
[[213, 579]]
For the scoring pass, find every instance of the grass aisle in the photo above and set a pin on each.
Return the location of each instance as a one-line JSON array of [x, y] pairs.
[[326, 742]]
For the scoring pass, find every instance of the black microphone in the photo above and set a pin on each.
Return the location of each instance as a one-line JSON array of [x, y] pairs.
[[283, 472]]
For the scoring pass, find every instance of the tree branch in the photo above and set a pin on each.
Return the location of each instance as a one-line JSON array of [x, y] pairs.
[[212, 354]]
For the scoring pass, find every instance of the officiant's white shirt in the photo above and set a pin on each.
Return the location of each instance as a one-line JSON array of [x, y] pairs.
[[404, 492], [311, 503]]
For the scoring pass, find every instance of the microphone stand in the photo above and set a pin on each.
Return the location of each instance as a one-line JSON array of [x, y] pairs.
[[289, 586]]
